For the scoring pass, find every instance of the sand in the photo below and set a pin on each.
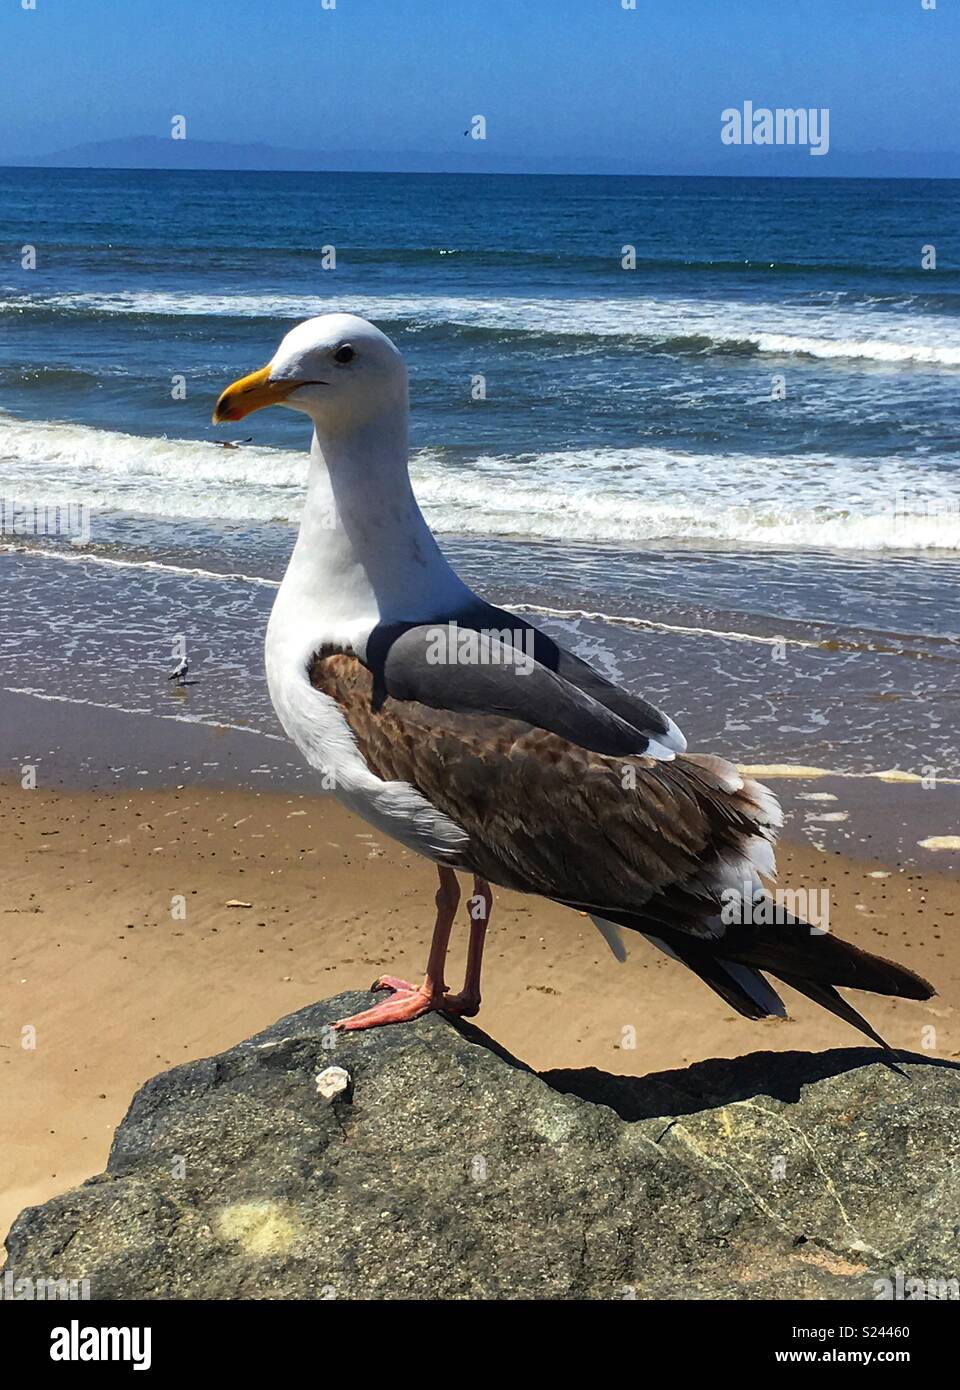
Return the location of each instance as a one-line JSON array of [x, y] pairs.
[[122, 956]]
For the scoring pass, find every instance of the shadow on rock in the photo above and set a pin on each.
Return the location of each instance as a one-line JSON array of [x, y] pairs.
[[722, 1081]]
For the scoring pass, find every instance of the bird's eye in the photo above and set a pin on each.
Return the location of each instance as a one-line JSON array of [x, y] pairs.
[[345, 353]]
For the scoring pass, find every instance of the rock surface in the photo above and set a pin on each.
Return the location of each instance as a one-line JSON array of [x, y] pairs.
[[447, 1169]]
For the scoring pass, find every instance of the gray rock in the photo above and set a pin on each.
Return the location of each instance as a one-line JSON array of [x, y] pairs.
[[447, 1169]]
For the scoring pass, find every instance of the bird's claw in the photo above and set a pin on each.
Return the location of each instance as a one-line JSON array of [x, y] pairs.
[[394, 983]]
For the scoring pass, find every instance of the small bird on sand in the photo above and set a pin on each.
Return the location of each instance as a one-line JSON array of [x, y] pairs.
[[179, 672], [472, 737]]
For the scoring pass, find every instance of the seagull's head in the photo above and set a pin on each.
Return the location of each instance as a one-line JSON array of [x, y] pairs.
[[336, 368]]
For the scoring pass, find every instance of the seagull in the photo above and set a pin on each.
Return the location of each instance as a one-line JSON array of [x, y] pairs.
[[179, 672], [473, 738]]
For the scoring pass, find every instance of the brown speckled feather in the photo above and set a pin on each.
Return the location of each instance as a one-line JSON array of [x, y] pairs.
[[544, 815]]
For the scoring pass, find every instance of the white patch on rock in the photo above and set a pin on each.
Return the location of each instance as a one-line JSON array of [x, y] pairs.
[[332, 1082]]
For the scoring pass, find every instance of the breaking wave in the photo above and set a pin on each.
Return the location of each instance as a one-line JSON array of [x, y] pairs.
[[840, 332], [613, 496]]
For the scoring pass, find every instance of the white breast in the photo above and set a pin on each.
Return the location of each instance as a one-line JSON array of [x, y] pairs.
[[317, 726], [356, 564]]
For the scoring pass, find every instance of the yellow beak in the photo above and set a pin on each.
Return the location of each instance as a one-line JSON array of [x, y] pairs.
[[251, 393]]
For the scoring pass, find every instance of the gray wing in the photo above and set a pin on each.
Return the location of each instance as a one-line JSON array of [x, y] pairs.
[[468, 669], [633, 708], [489, 660]]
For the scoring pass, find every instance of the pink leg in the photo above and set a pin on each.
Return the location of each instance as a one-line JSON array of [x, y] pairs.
[[408, 1002], [467, 1002]]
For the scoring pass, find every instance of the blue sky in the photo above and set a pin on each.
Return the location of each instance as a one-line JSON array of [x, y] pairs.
[[566, 79]]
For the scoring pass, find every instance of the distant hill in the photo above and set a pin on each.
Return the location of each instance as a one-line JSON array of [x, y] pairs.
[[159, 152]]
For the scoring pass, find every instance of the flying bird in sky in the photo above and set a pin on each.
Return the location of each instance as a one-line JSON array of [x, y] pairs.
[[470, 736]]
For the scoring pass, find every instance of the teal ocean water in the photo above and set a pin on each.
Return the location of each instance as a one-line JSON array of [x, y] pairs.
[[716, 413]]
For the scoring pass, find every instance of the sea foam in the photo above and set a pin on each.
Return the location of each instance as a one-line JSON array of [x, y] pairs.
[[832, 331], [617, 496]]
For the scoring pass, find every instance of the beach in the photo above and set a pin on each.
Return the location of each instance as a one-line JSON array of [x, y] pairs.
[[725, 476]]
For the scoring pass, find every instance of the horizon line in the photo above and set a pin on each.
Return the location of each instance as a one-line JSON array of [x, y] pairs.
[[476, 173]]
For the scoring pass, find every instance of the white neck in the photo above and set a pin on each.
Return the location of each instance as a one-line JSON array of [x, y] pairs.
[[365, 553]]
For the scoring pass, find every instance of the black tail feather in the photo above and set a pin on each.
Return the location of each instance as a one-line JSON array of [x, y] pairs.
[[828, 998], [705, 963], [795, 949], [811, 962]]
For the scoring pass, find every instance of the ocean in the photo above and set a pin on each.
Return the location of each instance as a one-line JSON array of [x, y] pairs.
[[704, 430]]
